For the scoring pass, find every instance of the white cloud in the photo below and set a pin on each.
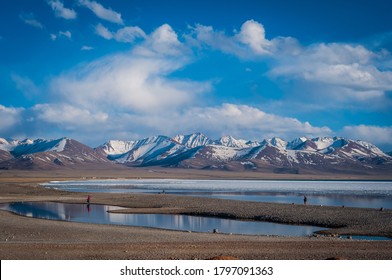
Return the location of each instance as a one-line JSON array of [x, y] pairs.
[[30, 20], [102, 12], [66, 34], [97, 124], [86, 48], [61, 11], [103, 32], [249, 43], [343, 65], [206, 36], [10, 117], [129, 34], [340, 72], [128, 82], [240, 121], [246, 121], [253, 34], [378, 135], [25, 85], [70, 116], [163, 41], [126, 34]]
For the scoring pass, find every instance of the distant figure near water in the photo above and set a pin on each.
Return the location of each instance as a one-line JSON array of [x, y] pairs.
[[305, 200], [88, 199]]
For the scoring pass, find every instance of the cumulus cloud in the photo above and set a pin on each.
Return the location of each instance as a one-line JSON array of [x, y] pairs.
[[237, 120], [10, 117], [253, 34], [163, 41], [134, 81], [378, 135], [30, 20], [338, 71], [344, 65], [61, 11], [68, 115], [128, 83], [126, 34], [249, 43], [102, 12], [247, 121], [207, 36]]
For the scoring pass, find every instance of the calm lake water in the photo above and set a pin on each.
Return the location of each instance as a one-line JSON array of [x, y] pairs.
[[99, 214], [365, 194]]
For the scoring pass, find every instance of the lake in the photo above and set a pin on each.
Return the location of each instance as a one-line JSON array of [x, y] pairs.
[[99, 214], [364, 194]]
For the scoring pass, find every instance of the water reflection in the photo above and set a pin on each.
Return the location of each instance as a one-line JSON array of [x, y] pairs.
[[92, 213]]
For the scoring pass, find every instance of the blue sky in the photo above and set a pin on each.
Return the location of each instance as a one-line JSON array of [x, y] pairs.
[[126, 69]]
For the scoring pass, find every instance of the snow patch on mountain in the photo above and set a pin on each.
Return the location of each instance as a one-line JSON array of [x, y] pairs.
[[29, 146], [192, 140], [229, 141], [117, 147], [276, 142], [323, 142]]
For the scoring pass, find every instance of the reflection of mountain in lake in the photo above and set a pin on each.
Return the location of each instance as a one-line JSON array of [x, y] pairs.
[[98, 214]]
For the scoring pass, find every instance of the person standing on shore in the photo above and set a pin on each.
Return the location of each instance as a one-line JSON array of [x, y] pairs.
[[305, 200], [88, 199]]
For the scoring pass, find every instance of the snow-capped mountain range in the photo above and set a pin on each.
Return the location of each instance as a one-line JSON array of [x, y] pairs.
[[198, 151], [47, 154]]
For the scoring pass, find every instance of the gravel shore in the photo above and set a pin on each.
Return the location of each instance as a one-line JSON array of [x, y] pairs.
[[29, 238]]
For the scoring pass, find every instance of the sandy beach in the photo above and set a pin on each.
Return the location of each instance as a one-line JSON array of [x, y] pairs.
[[30, 238]]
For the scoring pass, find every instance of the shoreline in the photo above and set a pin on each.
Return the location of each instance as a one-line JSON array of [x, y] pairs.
[[30, 238]]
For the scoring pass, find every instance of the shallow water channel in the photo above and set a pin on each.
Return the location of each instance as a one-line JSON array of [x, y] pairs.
[[99, 214]]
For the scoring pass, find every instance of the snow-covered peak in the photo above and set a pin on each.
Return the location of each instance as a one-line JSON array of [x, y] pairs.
[[153, 139], [339, 142], [28, 141], [60, 145], [252, 143], [292, 145], [323, 142], [29, 146], [6, 145], [117, 147], [371, 147], [277, 142], [230, 141], [192, 140]]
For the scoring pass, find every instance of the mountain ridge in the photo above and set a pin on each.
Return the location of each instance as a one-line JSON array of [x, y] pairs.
[[196, 150]]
